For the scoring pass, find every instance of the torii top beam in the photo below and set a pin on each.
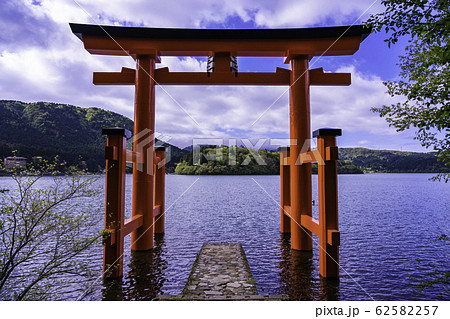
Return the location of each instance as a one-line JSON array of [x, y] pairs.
[[222, 44], [117, 40]]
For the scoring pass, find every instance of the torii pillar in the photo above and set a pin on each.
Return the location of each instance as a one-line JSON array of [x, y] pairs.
[[144, 121], [300, 175]]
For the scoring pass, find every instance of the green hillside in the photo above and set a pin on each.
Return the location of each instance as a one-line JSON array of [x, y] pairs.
[[50, 129], [74, 134], [385, 161]]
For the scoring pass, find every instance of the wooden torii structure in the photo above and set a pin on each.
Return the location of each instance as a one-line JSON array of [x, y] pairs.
[[298, 46]]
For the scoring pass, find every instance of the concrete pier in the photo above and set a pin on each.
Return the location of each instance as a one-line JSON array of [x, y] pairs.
[[221, 272]]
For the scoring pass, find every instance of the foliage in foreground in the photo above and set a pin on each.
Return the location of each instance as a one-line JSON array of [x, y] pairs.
[[43, 234], [425, 73]]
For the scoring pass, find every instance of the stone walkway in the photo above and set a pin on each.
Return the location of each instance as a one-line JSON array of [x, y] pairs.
[[220, 272]]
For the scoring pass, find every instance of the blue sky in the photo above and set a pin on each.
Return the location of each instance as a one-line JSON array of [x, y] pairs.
[[41, 60]]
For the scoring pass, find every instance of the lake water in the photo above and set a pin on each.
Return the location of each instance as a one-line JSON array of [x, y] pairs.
[[386, 222]]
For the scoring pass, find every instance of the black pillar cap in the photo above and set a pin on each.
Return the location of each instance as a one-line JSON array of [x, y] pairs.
[[285, 148], [160, 148], [327, 132], [116, 131]]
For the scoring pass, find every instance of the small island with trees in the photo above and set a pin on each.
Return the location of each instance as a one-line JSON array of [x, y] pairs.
[[224, 160], [42, 131]]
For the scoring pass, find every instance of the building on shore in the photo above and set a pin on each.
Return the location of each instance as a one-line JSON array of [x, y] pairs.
[[13, 161]]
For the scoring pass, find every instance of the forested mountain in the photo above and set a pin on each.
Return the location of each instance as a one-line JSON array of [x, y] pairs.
[[50, 129], [74, 134]]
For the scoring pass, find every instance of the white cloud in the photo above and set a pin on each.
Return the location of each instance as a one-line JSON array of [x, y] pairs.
[[349, 107], [222, 110], [185, 64], [309, 13], [198, 13], [41, 60]]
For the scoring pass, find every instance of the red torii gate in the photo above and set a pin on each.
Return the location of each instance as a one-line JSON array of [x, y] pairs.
[[298, 46]]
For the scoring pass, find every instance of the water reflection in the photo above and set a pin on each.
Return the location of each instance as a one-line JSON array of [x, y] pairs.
[[145, 278], [329, 289], [299, 276], [386, 207], [112, 289]]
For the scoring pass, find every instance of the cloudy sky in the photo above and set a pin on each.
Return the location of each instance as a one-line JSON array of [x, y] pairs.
[[41, 60]]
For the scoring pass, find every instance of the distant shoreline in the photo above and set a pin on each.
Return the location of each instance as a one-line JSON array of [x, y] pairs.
[[173, 174]]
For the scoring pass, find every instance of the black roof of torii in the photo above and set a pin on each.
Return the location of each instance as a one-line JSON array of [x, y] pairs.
[[186, 33]]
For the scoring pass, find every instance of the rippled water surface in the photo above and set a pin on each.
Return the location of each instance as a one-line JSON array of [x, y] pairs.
[[386, 222]]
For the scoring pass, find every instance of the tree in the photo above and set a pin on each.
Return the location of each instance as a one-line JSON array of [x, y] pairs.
[[425, 74], [43, 231]]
